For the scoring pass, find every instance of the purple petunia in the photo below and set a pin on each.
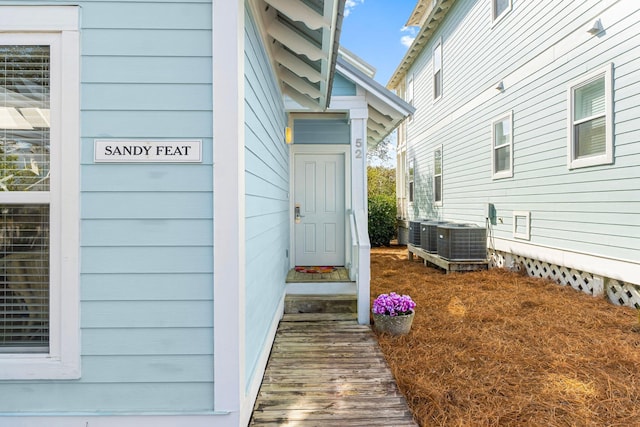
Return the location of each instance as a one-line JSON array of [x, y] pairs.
[[393, 304]]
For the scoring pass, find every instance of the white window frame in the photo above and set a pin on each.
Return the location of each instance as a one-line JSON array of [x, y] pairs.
[[410, 94], [504, 173], [56, 26], [437, 68], [523, 216], [605, 158], [438, 202], [497, 18]]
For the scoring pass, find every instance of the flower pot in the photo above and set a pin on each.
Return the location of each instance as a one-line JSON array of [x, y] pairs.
[[394, 325]]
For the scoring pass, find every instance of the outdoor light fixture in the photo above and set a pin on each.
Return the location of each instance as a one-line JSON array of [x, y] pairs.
[[500, 86], [596, 27], [288, 135]]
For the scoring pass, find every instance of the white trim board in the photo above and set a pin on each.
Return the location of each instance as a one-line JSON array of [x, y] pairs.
[[228, 209], [210, 419]]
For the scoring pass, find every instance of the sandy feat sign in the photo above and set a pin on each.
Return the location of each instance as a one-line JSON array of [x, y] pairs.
[[119, 151]]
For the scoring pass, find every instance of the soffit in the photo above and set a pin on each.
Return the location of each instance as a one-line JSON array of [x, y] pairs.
[[301, 37]]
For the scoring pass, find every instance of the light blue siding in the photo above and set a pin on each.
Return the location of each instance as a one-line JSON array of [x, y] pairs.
[[146, 282], [342, 86], [267, 204], [328, 131], [589, 210], [53, 396]]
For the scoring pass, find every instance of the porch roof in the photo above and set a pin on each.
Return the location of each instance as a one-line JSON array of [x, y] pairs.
[[302, 38], [386, 109]]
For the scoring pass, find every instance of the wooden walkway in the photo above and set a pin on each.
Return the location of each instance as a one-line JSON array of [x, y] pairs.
[[328, 372]]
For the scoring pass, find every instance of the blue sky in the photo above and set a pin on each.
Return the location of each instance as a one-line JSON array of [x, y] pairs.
[[374, 30]]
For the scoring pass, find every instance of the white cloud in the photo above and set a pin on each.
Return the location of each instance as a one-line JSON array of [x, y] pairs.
[[407, 40], [410, 35], [350, 5]]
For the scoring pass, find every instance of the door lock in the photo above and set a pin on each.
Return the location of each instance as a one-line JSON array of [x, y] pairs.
[[298, 217]]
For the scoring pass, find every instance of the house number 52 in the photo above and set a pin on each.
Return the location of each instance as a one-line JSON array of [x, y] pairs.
[[358, 148]]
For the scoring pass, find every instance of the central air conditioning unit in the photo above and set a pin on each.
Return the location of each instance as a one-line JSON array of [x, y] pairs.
[[429, 235], [414, 232], [462, 242]]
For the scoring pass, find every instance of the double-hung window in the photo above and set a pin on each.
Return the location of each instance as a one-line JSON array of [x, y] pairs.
[[39, 116], [437, 176], [437, 71], [502, 146], [590, 138]]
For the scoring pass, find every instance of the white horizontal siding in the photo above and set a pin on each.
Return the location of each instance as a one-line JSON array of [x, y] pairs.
[[538, 49]]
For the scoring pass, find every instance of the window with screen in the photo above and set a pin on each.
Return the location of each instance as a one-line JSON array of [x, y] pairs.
[[502, 147], [590, 120]]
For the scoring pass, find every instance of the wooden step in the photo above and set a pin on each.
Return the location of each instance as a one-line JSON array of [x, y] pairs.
[[297, 304], [319, 317]]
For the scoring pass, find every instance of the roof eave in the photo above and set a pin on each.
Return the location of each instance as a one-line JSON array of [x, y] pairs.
[[436, 14], [386, 109], [302, 42]]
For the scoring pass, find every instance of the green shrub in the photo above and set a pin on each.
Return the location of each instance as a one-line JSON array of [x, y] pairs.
[[382, 219]]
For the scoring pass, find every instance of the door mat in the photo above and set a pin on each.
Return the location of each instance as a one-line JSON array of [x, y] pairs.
[[316, 269]]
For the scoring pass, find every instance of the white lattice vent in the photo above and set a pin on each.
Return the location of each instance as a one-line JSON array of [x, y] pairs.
[[622, 293], [579, 280], [497, 260]]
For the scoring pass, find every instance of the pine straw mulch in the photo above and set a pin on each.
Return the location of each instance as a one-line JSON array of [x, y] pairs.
[[496, 348]]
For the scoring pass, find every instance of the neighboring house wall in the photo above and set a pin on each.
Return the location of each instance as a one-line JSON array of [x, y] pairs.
[[267, 202], [146, 237], [585, 218]]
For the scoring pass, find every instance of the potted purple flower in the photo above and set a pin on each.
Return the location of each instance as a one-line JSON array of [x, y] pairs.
[[393, 313]]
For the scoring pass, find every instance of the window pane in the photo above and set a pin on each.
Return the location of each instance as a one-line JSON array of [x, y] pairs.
[[24, 118], [499, 6], [437, 84], [437, 162], [590, 138], [589, 99], [24, 278], [501, 133], [502, 159], [437, 188]]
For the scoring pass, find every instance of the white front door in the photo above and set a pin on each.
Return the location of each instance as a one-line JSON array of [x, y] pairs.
[[319, 209]]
